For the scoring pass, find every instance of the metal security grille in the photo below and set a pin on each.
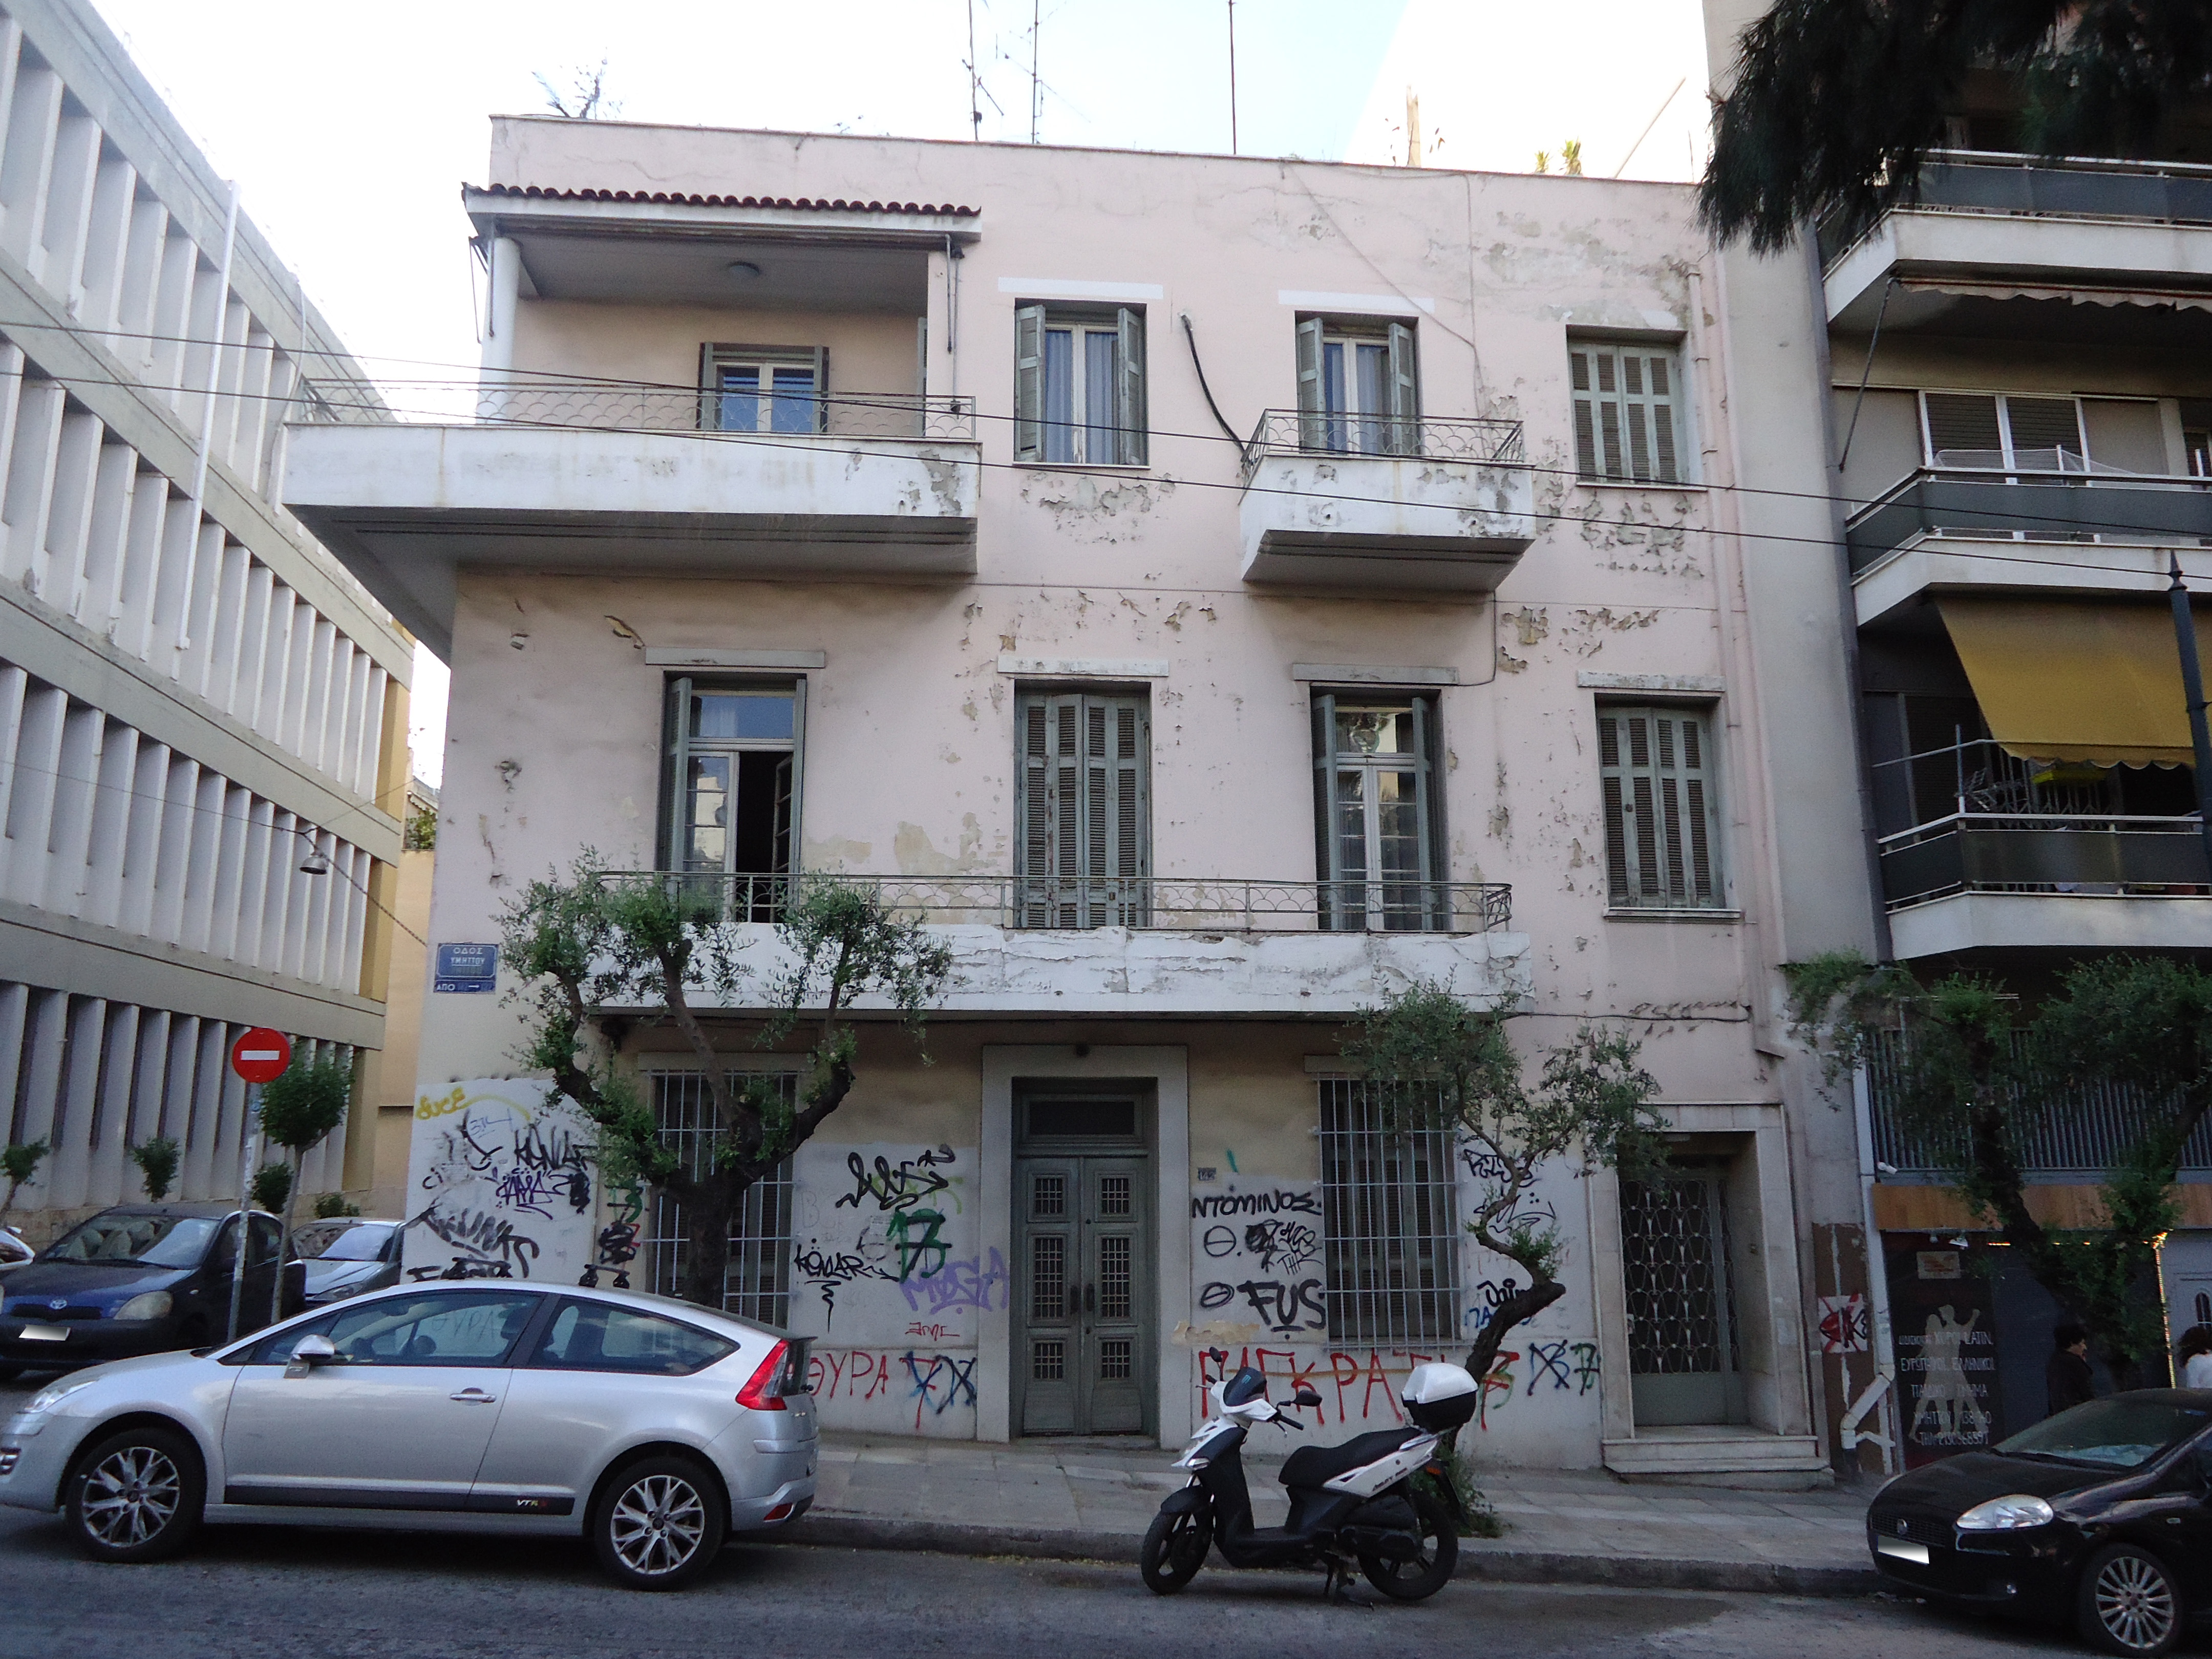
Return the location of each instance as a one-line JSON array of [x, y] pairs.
[[1047, 1276], [1391, 1219], [1673, 1240], [758, 1283]]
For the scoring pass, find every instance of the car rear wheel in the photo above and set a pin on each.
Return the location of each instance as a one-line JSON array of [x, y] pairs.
[[2129, 1603], [137, 1496], [660, 1523], [1429, 1572]]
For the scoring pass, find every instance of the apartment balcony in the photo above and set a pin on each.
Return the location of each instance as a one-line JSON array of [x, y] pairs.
[[2098, 531], [620, 478], [1366, 504], [1159, 946], [2124, 246]]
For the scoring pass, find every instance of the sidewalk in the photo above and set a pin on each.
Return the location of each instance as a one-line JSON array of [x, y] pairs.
[[1092, 1499]]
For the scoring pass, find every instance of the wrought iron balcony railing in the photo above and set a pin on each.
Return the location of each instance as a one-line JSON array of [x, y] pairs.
[[533, 400], [1428, 437], [1180, 903]]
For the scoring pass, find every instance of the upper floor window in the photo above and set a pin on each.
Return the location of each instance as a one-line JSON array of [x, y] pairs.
[[1376, 813], [1390, 1217], [733, 784], [2001, 430], [1359, 387], [1628, 412], [1658, 773], [1079, 385], [766, 388], [1085, 854], [2196, 436]]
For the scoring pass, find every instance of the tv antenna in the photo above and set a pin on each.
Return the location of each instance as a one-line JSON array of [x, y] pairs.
[[975, 81], [1036, 87], [1232, 76]]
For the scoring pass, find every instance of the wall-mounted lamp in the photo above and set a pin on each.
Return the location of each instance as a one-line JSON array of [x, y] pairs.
[[744, 272]]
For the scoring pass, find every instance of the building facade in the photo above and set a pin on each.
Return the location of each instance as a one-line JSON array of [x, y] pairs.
[[1213, 593], [203, 716]]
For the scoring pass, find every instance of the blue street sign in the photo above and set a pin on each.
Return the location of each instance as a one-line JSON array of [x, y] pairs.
[[465, 968]]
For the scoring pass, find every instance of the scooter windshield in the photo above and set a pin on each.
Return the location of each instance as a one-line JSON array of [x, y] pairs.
[[1245, 1386]]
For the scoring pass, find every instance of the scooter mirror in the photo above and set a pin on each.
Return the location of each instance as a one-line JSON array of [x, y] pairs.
[[1305, 1397]]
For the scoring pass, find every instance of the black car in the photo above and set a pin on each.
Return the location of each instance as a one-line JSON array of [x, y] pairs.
[[2101, 1514], [139, 1279]]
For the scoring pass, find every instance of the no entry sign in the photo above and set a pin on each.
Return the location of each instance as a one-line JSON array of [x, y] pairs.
[[261, 1055]]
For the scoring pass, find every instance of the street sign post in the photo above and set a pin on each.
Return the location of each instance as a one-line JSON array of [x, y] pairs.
[[259, 1056]]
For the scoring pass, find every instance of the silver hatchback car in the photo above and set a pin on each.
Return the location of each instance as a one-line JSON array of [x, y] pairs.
[[653, 1427]]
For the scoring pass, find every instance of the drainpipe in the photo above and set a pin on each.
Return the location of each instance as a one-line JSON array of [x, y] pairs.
[[504, 283], [1877, 1393]]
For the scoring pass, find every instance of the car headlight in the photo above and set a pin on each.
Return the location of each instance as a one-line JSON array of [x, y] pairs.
[[54, 1393], [147, 1304], [2011, 1514]]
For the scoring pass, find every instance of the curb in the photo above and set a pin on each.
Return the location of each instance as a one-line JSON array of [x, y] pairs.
[[1478, 1559]]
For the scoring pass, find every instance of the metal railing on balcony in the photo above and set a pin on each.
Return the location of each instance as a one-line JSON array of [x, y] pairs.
[[2027, 504], [604, 406], [1481, 439], [1980, 181], [1180, 903], [2075, 1131]]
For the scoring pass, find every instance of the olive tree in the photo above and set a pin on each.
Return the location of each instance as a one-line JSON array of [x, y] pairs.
[[591, 949], [298, 1110]]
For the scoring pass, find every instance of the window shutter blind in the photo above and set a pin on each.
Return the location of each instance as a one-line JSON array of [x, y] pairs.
[[1627, 427], [1579, 366], [1085, 809], [1328, 858], [822, 388], [1313, 431], [676, 770], [1029, 383], [1129, 409], [1660, 830], [2039, 427], [1963, 425], [1405, 394]]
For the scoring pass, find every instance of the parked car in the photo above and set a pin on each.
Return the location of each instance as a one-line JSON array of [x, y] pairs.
[[652, 1427], [2101, 1514], [136, 1280], [14, 1252], [348, 1257]]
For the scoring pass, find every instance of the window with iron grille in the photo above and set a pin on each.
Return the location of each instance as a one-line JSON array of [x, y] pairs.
[[1390, 1212], [1086, 809], [1629, 426], [758, 1283], [1661, 809]]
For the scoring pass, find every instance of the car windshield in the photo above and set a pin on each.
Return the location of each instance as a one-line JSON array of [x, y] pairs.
[[156, 1240], [363, 1243], [2124, 1432]]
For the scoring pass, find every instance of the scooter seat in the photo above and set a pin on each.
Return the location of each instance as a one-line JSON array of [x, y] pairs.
[[1317, 1466]]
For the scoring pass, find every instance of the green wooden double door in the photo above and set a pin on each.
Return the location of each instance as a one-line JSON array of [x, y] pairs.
[[1083, 1293]]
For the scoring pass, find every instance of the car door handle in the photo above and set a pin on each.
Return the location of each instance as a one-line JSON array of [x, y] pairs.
[[474, 1397]]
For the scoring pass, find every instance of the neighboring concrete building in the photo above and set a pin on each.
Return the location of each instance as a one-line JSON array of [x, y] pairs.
[[859, 506], [379, 1132], [2021, 412], [199, 707]]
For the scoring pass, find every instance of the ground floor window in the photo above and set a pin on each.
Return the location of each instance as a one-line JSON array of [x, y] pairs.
[[758, 1283], [1391, 1217]]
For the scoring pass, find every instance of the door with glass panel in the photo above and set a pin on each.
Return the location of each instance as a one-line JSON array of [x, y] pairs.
[[734, 766], [1358, 394], [1083, 1283], [763, 389], [1380, 842], [1685, 1359]]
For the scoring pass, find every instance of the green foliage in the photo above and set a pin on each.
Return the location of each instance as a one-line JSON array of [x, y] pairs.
[[1446, 1065], [271, 1186], [591, 942], [19, 1165], [1835, 102], [157, 1165], [307, 1102], [1968, 1085], [420, 833], [330, 1206]]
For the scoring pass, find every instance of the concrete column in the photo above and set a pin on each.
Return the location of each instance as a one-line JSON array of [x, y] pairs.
[[506, 285]]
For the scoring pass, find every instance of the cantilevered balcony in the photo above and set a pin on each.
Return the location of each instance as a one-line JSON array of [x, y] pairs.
[[1158, 946], [1366, 504], [613, 477]]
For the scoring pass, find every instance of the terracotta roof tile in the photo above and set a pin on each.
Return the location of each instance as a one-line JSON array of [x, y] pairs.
[[663, 197]]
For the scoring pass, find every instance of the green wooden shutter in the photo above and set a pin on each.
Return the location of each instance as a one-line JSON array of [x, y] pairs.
[[1583, 375], [1628, 425], [1085, 809], [1329, 860], [1405, 437], [822, 388], [1029, 383], [1313, 429], [1129, 394], [676, 769], [1661, 823]]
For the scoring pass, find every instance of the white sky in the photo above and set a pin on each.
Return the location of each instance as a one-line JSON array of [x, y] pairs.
[[350, 129]]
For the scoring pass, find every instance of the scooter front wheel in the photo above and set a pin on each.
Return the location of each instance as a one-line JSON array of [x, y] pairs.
[[1173, 1549], [1429, 1572]]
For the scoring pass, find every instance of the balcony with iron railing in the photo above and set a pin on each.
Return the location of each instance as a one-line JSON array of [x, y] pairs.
[[1987, 226], [614, 477], [1156, 945], [2003, 853], [1370, 501]]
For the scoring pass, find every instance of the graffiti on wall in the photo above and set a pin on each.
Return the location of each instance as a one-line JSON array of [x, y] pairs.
[[500, 1184], [1360, 1385], [884, 1241], [1259, 1258], [917, 1391]]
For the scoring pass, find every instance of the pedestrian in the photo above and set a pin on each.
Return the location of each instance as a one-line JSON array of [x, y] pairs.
[[2194, 1356], [2066, 1380]]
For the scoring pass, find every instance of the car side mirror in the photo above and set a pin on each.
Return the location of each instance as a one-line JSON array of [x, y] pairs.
[[309, 1352]]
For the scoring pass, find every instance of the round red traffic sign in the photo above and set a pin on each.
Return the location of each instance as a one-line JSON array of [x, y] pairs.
[[261, 1055]]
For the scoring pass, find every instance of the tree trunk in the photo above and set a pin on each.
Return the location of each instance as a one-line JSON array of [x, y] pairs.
[[707, 1213], [283, 1239], [1518, 1309]]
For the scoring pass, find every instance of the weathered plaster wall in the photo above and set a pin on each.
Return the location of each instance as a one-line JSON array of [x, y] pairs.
[[661, 343]]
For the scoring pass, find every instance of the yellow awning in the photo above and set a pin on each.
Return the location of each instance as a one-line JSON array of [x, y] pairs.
[[2084, 681]]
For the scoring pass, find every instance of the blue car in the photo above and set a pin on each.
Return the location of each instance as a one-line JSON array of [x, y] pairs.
[[140, 1279]]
